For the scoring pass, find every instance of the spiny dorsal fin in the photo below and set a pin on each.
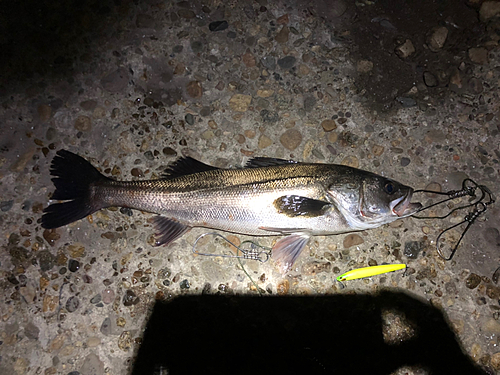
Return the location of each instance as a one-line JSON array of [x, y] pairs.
[[267, 162], [186, 166]]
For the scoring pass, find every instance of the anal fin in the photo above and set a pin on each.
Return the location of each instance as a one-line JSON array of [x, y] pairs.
[[286, 251], [168, 230]]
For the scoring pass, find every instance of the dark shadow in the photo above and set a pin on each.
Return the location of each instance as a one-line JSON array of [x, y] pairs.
[[49, 38], [340, 334]]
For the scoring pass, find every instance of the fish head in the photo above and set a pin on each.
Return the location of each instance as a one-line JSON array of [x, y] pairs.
[[368, 200]]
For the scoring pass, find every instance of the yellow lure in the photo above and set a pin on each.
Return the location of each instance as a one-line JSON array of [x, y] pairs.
[[359, 273]]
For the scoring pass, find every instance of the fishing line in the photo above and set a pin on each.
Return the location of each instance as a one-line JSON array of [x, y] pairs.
[[469, 188], [252, 253]]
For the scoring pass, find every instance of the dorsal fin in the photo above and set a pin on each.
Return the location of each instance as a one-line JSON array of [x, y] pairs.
[[185, 166], [267, 162]]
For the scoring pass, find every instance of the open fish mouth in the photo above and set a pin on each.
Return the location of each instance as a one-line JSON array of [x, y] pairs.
[[403, 207]]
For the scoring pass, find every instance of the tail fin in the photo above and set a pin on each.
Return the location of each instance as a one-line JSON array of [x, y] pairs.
[[73, 176]]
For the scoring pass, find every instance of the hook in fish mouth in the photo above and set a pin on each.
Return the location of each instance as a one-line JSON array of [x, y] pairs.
[[403, 207]]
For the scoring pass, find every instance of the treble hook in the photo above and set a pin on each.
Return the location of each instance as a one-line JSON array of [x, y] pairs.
[[469, 188], [469, 219], [252, 253]]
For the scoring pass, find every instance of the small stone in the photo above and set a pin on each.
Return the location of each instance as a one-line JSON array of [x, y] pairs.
[[328, 125], [268, 62], [265, 93], [186, 14], [240, 138], [495, 358], [405, 50], [93, 341], [73, 265], [169, 151], [437, 38], [249, 60], [44, 112], [120, 322], [303, 71], [108, 296], [31, 331], [309, 103], [406, 102], [194, 89], [96, 299], [270, 117], [208, 135], [205, 111], [6, 205], [291, 139], [51, 236], [472, 281], [283, 20], [240, 102], [489, 9], [189, 119], [352, 239], [250, 133], [287, 62], [83, 123], [136, 172], [364, 66], [412, 249], [196, 46], [72, 304], [430, 79], [350, 161], [179, 69], [130, 298], [106, 326], [218, 26], [377, 150], [283, 287], [405, 161], [45, 260], [478, 55], [125, 341], [184, 284], [264, 141], [282, 36]]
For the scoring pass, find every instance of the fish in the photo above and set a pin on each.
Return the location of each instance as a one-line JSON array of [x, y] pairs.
[[267, 197]]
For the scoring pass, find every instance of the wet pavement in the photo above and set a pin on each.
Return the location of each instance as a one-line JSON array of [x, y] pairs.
[[408, 91]]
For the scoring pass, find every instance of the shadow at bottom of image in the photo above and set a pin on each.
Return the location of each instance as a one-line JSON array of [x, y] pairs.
[[339, 334]]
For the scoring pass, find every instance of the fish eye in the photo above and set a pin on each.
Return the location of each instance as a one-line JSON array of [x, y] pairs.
[[390, 187]]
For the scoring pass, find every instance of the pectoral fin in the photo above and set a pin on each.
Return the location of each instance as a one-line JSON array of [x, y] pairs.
[[286, 251], [295, 205], [168, 230]]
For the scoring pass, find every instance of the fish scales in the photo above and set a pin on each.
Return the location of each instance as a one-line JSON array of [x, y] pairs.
[[235, 200]]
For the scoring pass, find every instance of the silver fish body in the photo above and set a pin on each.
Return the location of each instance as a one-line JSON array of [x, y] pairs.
[[268, 197]]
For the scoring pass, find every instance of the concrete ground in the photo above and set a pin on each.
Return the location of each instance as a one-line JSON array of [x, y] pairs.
[[408, 90]]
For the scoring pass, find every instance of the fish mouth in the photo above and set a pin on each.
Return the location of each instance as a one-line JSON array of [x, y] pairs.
[[403, 207]]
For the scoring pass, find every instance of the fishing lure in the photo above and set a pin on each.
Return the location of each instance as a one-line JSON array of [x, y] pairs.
[[360, 273]]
